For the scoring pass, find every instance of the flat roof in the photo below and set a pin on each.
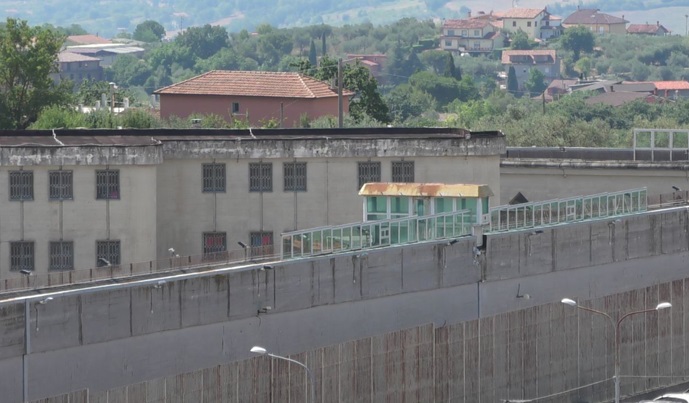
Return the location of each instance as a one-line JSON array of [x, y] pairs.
[[425, 189], [113, 137]]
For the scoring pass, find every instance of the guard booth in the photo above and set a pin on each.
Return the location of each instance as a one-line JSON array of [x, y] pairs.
[[390, 201]]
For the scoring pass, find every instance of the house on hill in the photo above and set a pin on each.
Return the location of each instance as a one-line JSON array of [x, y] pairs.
[[536, 23], [671, 89], [106, 52], [77, 67], [474, 36], [596, 21], [648, 29], [524, 60], [375, 64], [77, 40], [253, 96]]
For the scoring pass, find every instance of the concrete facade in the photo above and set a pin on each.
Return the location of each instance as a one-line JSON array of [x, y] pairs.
[[162, 204], [514, 347], [540, 179]]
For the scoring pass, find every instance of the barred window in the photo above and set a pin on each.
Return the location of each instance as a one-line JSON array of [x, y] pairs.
[[213, 177], [403, 171], [60, 185], [107, 253], [235, 107], [368, 172], [214, 243], [294, 176], [260, 177], [22, 255], [21, 185], [61, 255], [107, 184], [261, 243]]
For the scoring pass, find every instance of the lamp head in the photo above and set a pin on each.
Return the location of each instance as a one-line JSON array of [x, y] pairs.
[[259, 350], [569, 302], [663, 305], [45, 301]]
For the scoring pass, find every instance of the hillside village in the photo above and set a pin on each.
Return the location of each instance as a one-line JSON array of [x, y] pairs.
[[484, 33], [411, 73]]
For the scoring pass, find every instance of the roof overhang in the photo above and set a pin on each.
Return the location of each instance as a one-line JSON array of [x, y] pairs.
[[425, 189]]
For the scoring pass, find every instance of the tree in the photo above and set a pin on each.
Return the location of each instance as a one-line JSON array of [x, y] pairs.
[[577, 39], [397, 67], [367, 102], [536, 82], [203, 41], [583, 67], [512, 83], [313, 57], [520, 41], [149, 31], [27, 58], [450, 69], [405, 102]]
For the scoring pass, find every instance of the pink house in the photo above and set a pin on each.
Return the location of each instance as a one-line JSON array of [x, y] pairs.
[[256, 96]]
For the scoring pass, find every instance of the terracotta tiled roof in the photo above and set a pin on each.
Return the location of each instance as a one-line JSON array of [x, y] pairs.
[[645, 28], [67, 57], [465, 24], [522, 13], [531, 53], [671, 85], [592, 16], [252, 83], [87, 39]]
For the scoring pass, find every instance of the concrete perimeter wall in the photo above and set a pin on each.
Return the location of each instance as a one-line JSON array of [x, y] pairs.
[[345, 313]]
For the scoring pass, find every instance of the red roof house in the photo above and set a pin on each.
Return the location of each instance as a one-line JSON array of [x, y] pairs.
[[672, 89], [648, 29], [254, 96]]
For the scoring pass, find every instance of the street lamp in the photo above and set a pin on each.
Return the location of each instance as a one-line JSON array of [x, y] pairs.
[[616, 327], [263, 351]]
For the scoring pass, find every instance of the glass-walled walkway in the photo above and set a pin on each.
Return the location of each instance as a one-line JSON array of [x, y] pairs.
[[573, 209], [374, 234]]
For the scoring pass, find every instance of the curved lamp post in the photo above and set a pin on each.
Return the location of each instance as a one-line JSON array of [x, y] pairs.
[[263, 351], [616, 327]]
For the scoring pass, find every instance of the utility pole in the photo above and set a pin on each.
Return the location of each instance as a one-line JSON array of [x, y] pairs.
[[339, 93]]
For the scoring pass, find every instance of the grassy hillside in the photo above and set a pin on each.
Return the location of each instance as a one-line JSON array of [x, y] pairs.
[[107, 17]]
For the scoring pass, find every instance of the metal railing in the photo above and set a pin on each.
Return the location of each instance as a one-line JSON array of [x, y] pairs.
[[560, 211], [374, 234], [664, 142], [164, 265], [676, 198]]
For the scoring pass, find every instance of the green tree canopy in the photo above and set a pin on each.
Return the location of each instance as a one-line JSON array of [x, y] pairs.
[[313, 56], [521, 41], [149, 31], [450, 69], [367, 102], [577, 39], [203, 41], [406, 102], [28, 55], [512, 83], [536, 82]]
